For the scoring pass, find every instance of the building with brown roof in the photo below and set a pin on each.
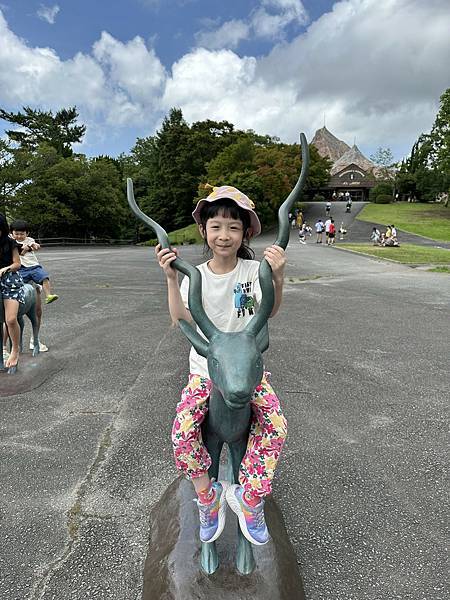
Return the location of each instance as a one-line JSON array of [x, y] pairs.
[[351, 171]]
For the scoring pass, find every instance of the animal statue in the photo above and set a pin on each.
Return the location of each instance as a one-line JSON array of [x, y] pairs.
[[29, 309], [235, 362]]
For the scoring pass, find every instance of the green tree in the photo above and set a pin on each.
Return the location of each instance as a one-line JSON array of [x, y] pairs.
[[73, 196], [440, 137], [13, 172], [58, 130]]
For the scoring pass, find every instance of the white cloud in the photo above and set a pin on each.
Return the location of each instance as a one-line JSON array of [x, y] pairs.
[[227, 35], [375, 68], [271, 24], [267, 21], [117, 84], [48, 13]]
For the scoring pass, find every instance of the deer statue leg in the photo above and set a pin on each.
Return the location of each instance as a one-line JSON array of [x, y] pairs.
[[209, 558], [245, 561], [35, 325]]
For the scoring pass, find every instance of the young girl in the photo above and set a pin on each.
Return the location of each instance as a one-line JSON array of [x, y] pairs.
[[11, 289], [227, 221]]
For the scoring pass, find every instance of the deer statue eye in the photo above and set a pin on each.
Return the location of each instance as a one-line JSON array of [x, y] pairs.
[[215, 363], [258, 363]]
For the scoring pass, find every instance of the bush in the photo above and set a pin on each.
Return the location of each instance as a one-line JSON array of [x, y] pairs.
[[381, 189], [318, 198], [383, 199]]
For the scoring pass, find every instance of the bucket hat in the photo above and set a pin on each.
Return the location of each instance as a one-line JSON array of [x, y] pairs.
[[232, 193]]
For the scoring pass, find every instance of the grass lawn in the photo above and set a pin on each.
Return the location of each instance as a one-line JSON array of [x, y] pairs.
[[406, 253], [429, 220], [186, 235]]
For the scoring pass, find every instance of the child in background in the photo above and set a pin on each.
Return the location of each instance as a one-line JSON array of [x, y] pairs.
[[32, 271]]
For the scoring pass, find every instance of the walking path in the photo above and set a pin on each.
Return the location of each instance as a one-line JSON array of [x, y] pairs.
[[360, 231]]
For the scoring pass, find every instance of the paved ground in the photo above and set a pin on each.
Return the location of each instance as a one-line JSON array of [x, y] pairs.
[[359, 356]]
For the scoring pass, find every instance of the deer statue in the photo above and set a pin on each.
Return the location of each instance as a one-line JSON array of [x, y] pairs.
[[235, 362], [29, 309]]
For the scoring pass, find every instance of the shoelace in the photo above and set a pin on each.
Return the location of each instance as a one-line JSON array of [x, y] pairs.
[[258, 515], [204, 513]]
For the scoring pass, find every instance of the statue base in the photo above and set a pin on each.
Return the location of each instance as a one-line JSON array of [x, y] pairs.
[[172, 568]]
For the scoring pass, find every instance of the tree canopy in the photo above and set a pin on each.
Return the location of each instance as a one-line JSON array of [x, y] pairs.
[[425, 174], [58, 130], [62, 193]]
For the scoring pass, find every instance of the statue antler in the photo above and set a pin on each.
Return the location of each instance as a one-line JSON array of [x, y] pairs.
[[195, 288], [265, 272]]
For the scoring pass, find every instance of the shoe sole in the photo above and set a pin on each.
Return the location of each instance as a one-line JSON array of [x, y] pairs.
[[233, 503], [221, 515]]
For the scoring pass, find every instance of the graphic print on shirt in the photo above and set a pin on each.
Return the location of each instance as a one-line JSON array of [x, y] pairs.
[[244, 300]]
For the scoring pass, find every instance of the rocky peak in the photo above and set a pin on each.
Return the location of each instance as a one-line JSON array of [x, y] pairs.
[[329, 145]]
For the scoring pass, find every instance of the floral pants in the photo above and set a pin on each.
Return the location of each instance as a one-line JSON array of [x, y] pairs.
[[265, 441]]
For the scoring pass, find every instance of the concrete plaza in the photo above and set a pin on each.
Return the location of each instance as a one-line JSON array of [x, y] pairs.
[[359, 357]]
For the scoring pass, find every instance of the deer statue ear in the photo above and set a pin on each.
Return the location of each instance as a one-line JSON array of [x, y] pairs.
[[199, 343], [262, 338]]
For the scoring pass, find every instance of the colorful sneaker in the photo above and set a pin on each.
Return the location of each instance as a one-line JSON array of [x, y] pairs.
[[51, 298], [42, 347], [212, 516], [251, 518]]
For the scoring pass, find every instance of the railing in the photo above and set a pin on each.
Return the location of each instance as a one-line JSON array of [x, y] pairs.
[[66, 241]]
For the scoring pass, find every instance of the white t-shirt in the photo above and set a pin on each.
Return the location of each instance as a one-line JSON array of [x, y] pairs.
[[29, 259], [327, 225], [229, 300]]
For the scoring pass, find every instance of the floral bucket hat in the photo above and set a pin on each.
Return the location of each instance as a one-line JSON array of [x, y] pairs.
[[232, 193]]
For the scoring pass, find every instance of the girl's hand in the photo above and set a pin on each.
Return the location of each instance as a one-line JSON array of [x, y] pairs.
[[3, 271], [276, 257], [165, 257]]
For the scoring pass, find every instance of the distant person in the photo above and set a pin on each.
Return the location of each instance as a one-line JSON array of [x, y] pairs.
[[302, 234], [327, 228], [342, 231], [320, 228], [328, 207], [393, 231], [31, 271], [331, 233], [300, 219], [388, 232], [375, 236]]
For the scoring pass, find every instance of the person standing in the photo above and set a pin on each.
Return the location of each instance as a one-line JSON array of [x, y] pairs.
[[327, 228], [320, 228], [331, 233]]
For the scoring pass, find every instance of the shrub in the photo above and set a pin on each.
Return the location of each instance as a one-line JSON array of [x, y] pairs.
[[318, 198], [383, 199]]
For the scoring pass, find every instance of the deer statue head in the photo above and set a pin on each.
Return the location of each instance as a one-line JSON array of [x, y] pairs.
[[235, 361]]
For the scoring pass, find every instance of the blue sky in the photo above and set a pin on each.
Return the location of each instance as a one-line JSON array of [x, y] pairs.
[[374, 68]]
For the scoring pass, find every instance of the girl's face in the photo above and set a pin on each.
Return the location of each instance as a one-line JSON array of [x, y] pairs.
[[223, 235]]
